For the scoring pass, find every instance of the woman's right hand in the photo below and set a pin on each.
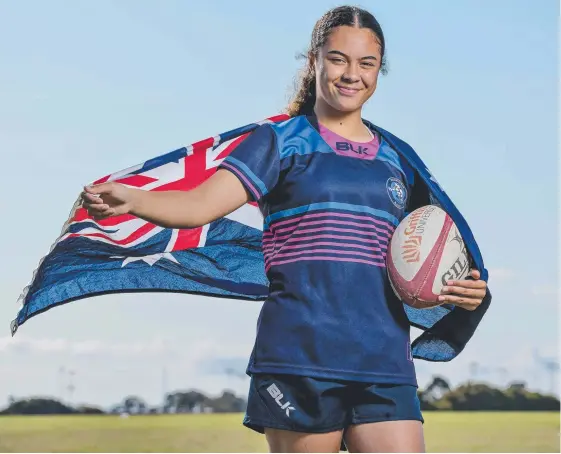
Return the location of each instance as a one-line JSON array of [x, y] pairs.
[[107, 199], [214, 198]]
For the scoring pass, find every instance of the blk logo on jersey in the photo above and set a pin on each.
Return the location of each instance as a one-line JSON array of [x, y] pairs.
[[346, 146], [275, 393]]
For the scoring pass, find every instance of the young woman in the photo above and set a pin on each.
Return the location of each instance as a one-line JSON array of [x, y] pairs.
[[332, 356]]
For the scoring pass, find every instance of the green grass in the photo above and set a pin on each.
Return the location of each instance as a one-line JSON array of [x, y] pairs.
[[445, 432]]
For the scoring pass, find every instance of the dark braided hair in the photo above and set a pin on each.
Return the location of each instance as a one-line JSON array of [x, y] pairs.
[[304, 100]]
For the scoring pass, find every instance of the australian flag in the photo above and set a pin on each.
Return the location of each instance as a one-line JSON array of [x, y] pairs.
[[127, 254]]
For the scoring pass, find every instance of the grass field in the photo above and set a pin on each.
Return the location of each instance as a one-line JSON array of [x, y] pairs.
[[445, 432]]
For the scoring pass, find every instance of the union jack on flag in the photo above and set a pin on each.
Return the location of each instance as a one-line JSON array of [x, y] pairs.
[[128, 254]]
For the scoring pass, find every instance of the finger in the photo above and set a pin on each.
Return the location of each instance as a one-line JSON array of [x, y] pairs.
[[467, 306], [460, 290], [109, 212], [98, 188], [475, 274], [455, 299], [91, 198], [464, 291], [105, 214], [97, 210], [467, 283]]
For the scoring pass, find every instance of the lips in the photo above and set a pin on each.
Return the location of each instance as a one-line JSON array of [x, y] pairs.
[[347, 91]]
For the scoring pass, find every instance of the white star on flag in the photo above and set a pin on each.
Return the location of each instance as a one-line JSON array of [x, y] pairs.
[[150, 259]]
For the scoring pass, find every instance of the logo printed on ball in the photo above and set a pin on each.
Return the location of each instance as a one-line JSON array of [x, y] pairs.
[[396, 192], [461, 265], [411, 249]]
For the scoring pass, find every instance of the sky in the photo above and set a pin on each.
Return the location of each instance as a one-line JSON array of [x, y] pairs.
[[90, 88]]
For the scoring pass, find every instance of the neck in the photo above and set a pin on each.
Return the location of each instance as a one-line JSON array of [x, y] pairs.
[[349, 122]]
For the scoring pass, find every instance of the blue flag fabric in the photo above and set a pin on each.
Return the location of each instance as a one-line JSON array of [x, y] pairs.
[[127, 254]]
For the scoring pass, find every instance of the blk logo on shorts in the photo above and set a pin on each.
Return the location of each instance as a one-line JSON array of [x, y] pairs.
[[275, 393]]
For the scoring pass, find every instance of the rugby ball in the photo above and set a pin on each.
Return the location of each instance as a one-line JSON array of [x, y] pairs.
[[426, 251]]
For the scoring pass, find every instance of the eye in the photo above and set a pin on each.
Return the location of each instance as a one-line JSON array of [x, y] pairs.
[[337, 60], [369, 64]]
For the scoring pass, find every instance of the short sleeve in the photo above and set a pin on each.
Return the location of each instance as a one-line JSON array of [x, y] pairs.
[[255, 161]]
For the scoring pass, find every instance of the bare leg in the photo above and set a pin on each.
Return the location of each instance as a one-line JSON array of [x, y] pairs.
[[288, 441], [386, 436]]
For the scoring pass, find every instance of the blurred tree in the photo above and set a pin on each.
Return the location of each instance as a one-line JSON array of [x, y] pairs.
[[227, 403], [134, 405], [37, 406]]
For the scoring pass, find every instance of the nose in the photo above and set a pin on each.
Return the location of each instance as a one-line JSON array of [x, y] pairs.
[[351, 73]]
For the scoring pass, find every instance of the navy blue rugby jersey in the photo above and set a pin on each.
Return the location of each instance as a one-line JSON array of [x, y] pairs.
[[328, 219]]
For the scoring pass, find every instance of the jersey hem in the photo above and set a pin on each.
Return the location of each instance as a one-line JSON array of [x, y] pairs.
[[316, 372]]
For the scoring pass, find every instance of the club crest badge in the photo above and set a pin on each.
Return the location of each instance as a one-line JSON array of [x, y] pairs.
[[397, 192]]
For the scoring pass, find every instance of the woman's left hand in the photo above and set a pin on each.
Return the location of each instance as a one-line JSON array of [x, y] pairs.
[[466, 293]]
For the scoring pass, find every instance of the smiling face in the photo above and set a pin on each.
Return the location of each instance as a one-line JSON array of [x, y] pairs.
[[347, 68]]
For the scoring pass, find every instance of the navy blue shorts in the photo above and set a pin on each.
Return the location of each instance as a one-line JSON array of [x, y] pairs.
[[311, 405]]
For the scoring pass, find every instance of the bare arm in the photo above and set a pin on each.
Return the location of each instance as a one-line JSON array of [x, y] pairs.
[[216, 197]]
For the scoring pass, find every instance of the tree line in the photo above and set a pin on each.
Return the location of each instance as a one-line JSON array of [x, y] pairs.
[[473, 396], [437, 396], [177, 402]]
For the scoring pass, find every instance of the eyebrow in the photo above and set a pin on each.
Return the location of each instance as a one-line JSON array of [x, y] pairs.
[[337, 52]]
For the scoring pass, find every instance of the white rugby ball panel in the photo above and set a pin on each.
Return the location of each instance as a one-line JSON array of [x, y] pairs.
[[426, 249], [413, 242], [454, 264]]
